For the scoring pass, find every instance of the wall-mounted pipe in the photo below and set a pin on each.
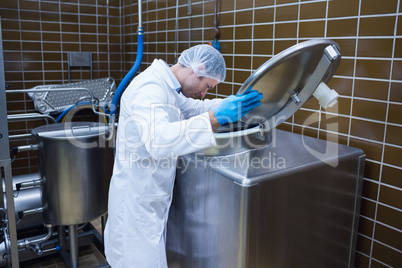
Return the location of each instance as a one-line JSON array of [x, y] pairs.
[[127, 78]]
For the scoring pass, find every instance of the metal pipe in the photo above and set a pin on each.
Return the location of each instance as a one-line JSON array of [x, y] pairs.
[[17, 117], [73, 235], [37, 90], [27, 242], [18, 136]]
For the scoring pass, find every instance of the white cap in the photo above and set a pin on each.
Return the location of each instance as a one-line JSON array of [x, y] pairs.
[[205, 61]]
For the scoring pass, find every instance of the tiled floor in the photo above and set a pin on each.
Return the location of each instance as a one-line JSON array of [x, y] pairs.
[[89, 256]]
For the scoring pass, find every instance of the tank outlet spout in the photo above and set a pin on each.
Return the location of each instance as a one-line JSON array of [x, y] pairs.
[[326, 97]]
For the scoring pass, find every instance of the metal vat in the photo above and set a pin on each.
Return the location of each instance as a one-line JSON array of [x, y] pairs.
[[75, 163], [269, 198], [277, 206]]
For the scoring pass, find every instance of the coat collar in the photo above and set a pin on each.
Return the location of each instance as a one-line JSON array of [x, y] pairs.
[[167, 74]]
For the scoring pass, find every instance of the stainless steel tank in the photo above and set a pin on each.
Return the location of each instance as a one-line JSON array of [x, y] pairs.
[[277, 206], [269, 198], [26, 199], [75, 163]]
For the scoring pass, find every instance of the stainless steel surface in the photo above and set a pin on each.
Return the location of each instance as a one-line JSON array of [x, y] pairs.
[[278, 206], [26, 199], [57, 98], [5, 167], [287, 81], [233, 139], [75, 163], [294, 73], [73, 241]]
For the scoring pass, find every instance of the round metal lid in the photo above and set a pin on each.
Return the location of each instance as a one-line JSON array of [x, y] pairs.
[[70, 130], [289, 79]]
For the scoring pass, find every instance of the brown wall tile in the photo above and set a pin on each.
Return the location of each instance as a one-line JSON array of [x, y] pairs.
[[287, 13], [341, 85], [372, 170], [244, 17], [347, 46], [373, 68], [397, 70], [341, 107], [370, 190], [369, 110], [244, 32], [344, 27], [263, 31], [398, 48], [310, 132], [281, 45], [264, 15], [286, 30], [312, 29], [242, 62], [334, 123], [396, 92], [302, 117], [377, 26], [392, 156], [313, 10], [394, 134], [392, 176], [394, 114], [343, 8], [262, 48], [370, 7], [390, 217], [264, 3], [363, 246], [333, 137], [371, 89], [372, 150], [386, 254], [368, 130], [346, 67], [240, 4], [375, 48]]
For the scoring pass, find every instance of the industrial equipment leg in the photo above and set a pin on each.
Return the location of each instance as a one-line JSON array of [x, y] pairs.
[[5, 167], [61, 236], [73, 241]]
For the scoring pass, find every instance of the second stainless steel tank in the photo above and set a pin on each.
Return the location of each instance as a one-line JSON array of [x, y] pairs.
[[75, 163]]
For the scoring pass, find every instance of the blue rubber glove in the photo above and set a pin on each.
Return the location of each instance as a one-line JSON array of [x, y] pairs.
[[235, 107]]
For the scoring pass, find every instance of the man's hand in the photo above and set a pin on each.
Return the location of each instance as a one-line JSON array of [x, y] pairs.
[[235, 107]]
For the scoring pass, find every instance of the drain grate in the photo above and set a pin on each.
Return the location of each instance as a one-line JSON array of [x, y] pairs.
[[56, 102]]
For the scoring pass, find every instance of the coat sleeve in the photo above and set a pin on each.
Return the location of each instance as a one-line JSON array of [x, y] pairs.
[[155, 120], [191, 107]]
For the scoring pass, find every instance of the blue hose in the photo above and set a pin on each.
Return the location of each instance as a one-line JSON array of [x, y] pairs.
[[124, 83], [60, 117], [126, 80]]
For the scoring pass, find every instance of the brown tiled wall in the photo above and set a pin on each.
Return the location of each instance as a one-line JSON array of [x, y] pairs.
[[369, 79], [36, 38]]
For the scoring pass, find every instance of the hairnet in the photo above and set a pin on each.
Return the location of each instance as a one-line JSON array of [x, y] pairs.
[[205, 61]]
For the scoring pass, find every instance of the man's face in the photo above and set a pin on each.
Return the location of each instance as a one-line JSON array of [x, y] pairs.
[[195, 87]]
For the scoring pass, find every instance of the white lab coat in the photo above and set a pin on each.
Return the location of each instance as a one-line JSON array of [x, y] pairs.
[[156, 124]]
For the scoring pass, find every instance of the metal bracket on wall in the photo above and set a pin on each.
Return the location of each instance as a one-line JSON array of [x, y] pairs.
[[79, 59]]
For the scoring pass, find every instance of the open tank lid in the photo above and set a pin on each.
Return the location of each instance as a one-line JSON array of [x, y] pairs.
[[289, 79], [62, 131]]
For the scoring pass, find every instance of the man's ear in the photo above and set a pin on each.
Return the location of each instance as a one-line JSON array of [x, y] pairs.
[[200, 69]]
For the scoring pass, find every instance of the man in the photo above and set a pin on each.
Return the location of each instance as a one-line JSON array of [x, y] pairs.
[[159, 121]]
